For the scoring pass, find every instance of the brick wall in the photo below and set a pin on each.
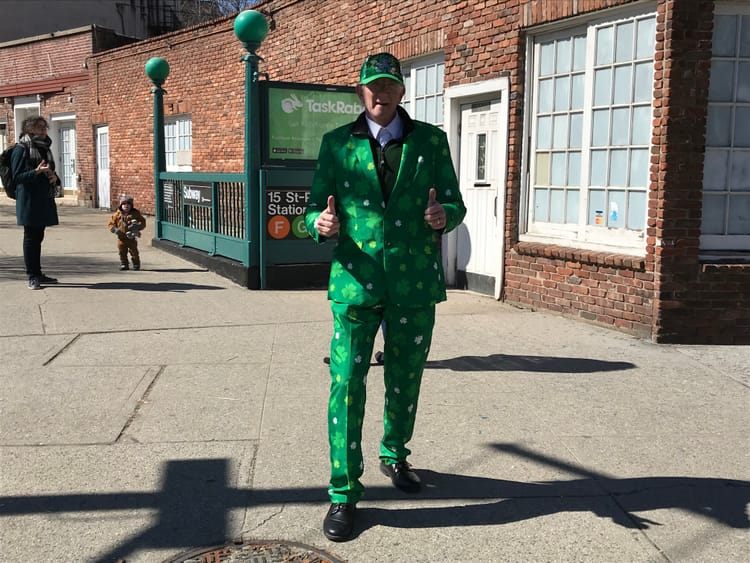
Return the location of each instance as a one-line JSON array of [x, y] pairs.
[[696, 302], [43, 59]]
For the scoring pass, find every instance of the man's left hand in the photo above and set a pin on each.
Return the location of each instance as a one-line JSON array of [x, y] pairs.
[[435, 212]]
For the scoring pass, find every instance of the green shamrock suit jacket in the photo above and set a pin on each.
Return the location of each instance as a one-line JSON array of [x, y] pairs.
[[386, 254]]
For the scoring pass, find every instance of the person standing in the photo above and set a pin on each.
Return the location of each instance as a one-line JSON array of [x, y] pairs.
[[385, 184], [126, 223], [33, 169]]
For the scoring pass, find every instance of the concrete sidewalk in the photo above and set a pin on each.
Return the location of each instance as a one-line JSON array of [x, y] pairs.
[[147, 413]]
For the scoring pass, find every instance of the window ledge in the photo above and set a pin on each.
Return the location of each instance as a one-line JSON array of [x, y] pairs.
[[623, 261]]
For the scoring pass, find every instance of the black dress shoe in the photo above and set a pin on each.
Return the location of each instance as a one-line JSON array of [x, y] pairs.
[[402, 477], [339, 522]]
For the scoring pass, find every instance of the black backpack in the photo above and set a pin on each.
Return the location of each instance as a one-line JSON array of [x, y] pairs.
[[6, 173]]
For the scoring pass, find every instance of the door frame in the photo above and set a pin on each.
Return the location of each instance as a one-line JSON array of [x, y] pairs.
[[454, 97]]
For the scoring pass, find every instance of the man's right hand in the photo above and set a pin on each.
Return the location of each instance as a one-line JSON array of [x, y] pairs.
[[327, 222]]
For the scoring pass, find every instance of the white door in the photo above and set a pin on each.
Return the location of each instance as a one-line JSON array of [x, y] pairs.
[[67, 165], [102, 167], [479, 252]]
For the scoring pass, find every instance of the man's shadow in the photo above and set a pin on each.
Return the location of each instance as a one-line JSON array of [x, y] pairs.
[[721, 500]]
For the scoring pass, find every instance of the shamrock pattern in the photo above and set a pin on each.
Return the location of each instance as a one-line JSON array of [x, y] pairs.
[[349, 366]]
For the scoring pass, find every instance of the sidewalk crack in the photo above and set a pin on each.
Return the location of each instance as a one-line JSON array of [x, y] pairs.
[[141, 401]]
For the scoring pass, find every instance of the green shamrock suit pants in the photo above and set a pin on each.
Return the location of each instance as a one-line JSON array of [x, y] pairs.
[[407, 343]]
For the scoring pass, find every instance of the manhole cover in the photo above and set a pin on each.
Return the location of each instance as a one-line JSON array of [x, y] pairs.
[[256, 551]]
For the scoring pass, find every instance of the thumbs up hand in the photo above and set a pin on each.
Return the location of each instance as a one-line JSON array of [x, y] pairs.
[[434, 214], [327, 222]]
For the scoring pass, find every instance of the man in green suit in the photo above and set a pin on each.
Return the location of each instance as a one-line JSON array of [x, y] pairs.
[[385, 184]]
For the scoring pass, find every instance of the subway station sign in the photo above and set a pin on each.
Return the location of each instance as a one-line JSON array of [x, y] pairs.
[[285, 213]]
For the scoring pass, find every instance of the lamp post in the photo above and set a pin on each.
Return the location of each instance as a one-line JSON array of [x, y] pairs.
[[251, 27], [157, 69]]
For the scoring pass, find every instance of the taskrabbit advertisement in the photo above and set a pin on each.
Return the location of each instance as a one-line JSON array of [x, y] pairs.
[[298, 118]]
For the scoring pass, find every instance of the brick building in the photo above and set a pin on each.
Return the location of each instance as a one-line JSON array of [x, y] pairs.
[[601, 145], [47, 75]]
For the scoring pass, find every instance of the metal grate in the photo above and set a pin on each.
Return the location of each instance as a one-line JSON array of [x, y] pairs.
[[256, 551]]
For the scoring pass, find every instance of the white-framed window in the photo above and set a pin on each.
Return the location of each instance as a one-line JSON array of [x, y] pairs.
[[725, 221], [591, 94], [178, 143], [424, 79]]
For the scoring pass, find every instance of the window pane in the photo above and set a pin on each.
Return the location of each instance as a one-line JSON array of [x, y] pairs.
[[722, 81], [644, 82], [616, 209], [718, 126], [546, 59], [739, 172], [560, 135], [571, 206], [430, 110], [545, 96], [646, 37], [624, 49], [641, 132], [712, 222], [576, 130], [742, 127], [407, 94], [439, 109], [431, 79], [639, 165], [562, 93], [541, 208], [745, 37], [563, 56], [481, 156], [574, 169], [715, 167], [544, 132], [622, 84], [600, 134], [743, 82], [557, 206], [577, 91], [579, 53], [636, 210], [602, 84], [419, 109], [604, 38], [618, 167], [598, 168], [421, 81], [440, 76], [725, 36], [739, 215], [620, 126], [542, 169], [558, 169], [596, 207]]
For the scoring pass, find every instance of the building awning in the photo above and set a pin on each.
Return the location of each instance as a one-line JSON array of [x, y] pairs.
[[47, 86]]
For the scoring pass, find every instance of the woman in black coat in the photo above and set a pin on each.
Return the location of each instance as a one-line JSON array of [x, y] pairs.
[[36, 182]]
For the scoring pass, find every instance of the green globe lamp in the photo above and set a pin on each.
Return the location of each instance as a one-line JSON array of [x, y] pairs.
[[157, 69]]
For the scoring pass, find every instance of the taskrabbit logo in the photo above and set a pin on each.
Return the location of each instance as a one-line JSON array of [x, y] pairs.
[[293, 103], [288, 105]]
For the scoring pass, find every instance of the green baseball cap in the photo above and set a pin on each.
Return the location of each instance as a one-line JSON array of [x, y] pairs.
[[382, 65]]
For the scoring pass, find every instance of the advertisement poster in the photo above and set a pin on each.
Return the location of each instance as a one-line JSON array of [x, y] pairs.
[[298, 116]]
